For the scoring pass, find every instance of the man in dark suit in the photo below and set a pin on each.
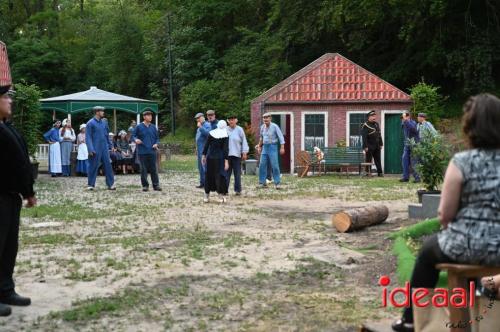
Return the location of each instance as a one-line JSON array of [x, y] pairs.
[[372, 142], [16, 179]]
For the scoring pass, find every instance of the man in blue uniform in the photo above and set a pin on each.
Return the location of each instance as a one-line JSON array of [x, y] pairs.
[[16, 179], [146, 139], [98, 145], [212, 120], [410, 131], [204, 128]]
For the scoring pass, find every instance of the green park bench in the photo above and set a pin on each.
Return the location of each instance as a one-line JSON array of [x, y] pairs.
[[344, 158]]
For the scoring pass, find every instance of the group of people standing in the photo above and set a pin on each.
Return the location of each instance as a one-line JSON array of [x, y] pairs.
[[220, 149], [412, 131], [222, 146], [97, 149]]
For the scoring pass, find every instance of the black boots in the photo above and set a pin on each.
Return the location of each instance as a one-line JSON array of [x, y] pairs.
[[401, 326], [4, 310], [15, 299]]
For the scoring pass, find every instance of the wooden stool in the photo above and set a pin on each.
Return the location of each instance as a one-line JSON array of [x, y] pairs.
[[457, 278]]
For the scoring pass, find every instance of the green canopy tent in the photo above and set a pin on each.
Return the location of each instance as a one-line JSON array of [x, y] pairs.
[[86, 100]]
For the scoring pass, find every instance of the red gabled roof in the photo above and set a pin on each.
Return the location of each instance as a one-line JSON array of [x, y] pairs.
[[333, 78], [5, 78]]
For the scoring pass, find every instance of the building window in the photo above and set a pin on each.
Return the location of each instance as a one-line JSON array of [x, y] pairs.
[[314, 131], [356, 121]]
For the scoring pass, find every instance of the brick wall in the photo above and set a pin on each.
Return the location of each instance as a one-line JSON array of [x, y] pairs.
[[336, 117]]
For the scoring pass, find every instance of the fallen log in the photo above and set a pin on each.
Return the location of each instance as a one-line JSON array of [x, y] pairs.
[[353, 219]]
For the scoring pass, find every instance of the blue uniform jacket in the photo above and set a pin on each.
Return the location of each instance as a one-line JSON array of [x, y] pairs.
[[410, 131], [96, 136], [148, 136], [202, 135]]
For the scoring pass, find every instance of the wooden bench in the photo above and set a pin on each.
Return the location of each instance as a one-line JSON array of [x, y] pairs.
[[345, 157], [457, 278]]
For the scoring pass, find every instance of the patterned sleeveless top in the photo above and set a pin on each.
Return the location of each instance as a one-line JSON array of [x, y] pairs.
[[474, 234]]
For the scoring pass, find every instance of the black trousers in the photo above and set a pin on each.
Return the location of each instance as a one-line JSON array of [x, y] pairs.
[[148, 165], [424, 274], [10, 210], [374, 153]]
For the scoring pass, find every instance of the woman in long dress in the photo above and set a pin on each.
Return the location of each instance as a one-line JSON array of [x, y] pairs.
[[68, 137], [83, 153], [53, 138], [215, 157], [123, 147]]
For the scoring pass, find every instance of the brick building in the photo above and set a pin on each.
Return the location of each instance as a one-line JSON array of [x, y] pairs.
[[325, 104]]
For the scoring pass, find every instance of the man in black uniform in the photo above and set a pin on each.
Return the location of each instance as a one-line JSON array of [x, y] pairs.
[[372, 142], [16, 181]]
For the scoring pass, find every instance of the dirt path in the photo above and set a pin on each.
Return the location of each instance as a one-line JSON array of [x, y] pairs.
[[164, 261]]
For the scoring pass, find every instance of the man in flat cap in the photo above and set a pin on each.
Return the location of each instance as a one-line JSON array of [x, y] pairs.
[[211, 119], [372, 142], [98, 145], [16, 184], [425, 128], [204, 128], [147, 139], [238, 150], [270, 137], [409, 161]]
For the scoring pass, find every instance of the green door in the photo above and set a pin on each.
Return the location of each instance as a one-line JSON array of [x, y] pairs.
[[393, 144]]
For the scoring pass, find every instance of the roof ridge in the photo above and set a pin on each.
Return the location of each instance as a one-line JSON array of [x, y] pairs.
[[322, 84]]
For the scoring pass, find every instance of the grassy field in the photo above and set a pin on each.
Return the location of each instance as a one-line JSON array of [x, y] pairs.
[[268, 260]]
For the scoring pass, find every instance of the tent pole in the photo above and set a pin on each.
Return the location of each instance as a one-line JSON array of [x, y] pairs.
[[114, 121], [157, 128], [69, 117], [53, 115], [138, 118]]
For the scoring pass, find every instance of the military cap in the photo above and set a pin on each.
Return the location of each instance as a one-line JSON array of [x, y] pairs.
[[371, 113]]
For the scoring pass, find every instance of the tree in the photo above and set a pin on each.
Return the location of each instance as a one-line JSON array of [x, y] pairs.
[[426, 99], [27, 115]]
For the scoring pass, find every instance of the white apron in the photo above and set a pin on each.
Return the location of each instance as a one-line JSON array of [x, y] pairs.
[[83, 153], [55, 158]]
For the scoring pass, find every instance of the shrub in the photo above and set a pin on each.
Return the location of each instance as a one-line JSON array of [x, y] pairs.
[[426, 99], [432, 154], [27, 115]]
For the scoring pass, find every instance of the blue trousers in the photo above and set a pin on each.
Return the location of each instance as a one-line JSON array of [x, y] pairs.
[[94, 163], [201, 168], [269, 156], [234, 167], [409, 161], [148, 165]]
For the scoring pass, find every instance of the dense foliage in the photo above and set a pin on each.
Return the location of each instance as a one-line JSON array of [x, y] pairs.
[[433, 156], [27, 115], [226, 52], [426, 99]]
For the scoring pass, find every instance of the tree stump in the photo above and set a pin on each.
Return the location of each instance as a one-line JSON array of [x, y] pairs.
[[349, 220]]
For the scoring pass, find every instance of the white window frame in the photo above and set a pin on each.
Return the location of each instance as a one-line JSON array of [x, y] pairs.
[[303, 127], [348, 124]]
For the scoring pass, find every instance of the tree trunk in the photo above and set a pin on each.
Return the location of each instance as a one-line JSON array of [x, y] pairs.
[[349, 220]]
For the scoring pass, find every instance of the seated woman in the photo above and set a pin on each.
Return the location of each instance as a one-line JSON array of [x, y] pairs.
[[469, 210], [116, 157], [123, 147]]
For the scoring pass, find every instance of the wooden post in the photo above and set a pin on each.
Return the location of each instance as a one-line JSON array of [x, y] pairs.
[[114, 121], [349, 220]]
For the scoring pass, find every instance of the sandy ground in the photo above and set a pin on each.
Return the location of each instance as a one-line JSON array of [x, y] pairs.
[[264, 261]]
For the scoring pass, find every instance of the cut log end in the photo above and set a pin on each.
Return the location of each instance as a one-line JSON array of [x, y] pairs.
[[349, 220]]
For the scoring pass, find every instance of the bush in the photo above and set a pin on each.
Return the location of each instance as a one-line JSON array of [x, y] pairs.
[[27, 115], [432, 154], [426, 99]]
